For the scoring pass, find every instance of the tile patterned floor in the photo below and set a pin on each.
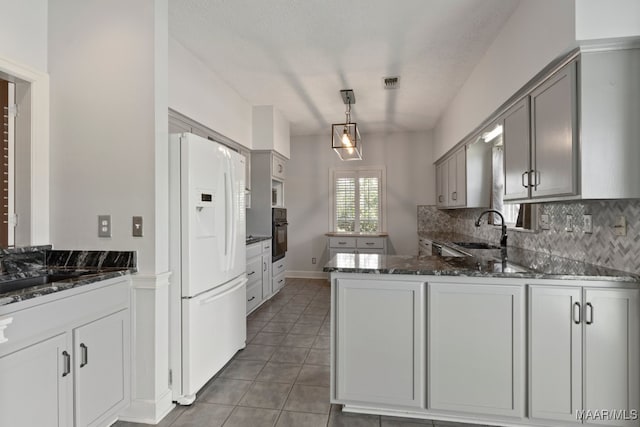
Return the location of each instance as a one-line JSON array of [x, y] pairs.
[[281, 378]]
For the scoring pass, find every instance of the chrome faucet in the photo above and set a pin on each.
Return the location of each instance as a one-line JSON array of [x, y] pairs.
[[503, 237]]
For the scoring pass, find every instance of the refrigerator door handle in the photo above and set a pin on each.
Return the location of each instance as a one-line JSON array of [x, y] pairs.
[[213, 298], [227, 215]]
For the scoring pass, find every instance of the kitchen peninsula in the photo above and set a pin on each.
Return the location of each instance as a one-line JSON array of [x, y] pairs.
[[532, 339]]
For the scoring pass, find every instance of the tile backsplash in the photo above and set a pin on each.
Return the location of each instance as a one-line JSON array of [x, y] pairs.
[[602, 247]]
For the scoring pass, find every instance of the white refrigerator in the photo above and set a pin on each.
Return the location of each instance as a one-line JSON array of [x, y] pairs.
[[207, 259]]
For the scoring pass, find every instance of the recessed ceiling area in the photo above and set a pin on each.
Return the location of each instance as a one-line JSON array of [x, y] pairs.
[[298, 55]]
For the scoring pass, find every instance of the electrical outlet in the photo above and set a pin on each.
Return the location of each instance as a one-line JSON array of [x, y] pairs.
[[104, 225], [568, 223], [136, 226], [544, 222], [620, 227], [587, 224], [313, 260]]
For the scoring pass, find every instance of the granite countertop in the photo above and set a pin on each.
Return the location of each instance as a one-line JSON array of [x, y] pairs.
[[348, 234], [255, 239], [71, 269], [519, 263], [85, 277]]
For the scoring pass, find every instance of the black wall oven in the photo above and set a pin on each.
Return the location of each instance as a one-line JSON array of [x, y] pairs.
[[279, 233]]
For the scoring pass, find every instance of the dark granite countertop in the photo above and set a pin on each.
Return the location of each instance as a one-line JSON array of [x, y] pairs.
[[255, 239], [85, 277], [519, 263], [71, 269]]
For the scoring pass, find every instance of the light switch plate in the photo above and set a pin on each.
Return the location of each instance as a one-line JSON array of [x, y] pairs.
[[136, 226], [104, 225], [587, 224], [568, 223], [620, 227], [544, 222]]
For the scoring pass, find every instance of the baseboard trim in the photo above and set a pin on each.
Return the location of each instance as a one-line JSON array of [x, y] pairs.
[[148, 411], [301, 274]]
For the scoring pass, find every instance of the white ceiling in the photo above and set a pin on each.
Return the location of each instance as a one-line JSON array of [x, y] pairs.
[[298, 54]]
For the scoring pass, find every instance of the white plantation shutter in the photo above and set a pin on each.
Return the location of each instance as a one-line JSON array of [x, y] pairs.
[[345, 197], [357, 201]]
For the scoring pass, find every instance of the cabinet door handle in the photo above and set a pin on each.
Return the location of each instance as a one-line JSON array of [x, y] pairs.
[[588, 317], [281, 265], [536, 178], [252, 273], [67, 363], [265, 266], [576, 313], [440, 198], [84, 356], [454, 195], [370, 243], [252, 298], [523, 184], [342, 243]]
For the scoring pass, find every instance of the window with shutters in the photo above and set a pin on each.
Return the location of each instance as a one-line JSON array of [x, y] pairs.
[[357, 198]]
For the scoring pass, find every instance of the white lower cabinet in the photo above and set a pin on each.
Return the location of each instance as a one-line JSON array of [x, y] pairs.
[[476, 349], [584, 353], [33, 390], [379, 344], [66, 362], [101, 373]]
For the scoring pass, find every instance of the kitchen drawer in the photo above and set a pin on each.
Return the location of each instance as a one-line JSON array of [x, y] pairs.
[[278, 283], [254, 250], [266, 246], [279, 267], [370, 242], [371, 251], [342, 242], [254, 270], [254, 296]]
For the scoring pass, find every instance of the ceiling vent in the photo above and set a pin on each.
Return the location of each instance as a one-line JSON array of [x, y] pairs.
[[391, 82]]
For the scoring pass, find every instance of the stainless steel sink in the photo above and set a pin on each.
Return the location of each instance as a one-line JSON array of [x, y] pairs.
[[476, 245], [497, 266]]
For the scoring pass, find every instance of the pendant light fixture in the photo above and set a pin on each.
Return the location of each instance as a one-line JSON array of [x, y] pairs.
[[345, 137]]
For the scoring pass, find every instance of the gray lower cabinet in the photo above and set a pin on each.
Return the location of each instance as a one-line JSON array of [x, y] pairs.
[[476, 349], [258, 274], [583, 352], [379, 343]]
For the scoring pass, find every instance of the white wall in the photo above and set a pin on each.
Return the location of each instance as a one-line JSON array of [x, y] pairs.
[[23, 32], [102, 67], [536, 33], [198, 93], [410, 182], [597, 19]]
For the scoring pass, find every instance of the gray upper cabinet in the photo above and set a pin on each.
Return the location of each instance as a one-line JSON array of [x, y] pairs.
[[441, 185], [540, 135], [463, 179], [516, 139], [554, 133], [572, 132]]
